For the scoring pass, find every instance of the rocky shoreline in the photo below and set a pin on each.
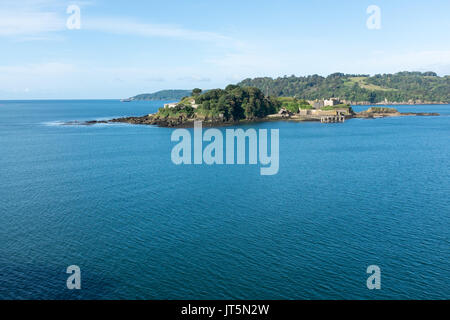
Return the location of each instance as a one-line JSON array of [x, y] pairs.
[[387, 103], [381, 112], [183, 121]]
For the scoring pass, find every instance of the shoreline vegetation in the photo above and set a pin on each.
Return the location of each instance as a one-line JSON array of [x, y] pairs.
[[239, 105], [406, 88], [402, 88]]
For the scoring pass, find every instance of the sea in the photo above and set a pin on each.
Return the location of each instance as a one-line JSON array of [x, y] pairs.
[[108, 199]]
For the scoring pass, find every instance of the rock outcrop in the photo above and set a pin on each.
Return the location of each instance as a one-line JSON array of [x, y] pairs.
[[185, 121]]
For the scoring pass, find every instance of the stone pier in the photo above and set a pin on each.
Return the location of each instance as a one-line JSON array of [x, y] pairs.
[[332, 119]]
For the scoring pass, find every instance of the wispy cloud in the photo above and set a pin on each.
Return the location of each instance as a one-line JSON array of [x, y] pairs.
[[36, 79], [49, 68], [35, 20], [194, 79], [123, 26], [426, 60], [29, 23]]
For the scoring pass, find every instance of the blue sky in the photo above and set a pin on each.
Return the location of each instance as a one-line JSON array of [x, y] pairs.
[[128, 47]]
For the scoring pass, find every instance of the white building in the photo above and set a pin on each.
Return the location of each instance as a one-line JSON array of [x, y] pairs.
[[331, 102], [170, 105]]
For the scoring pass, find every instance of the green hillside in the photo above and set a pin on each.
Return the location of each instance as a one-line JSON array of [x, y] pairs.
[[164, 95], [399, 87]]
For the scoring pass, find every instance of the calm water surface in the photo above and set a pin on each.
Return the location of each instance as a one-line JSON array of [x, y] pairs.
[[109, 199]]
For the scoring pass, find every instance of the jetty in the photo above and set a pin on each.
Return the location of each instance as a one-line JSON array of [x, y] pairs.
[[332, 119]]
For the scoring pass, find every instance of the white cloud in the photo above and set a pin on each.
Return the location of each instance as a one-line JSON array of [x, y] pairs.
[[267, 62], [383, 62], [258, 61], [31, 18], [39, 80], [121, 26], [194, 79], [43, 69], [247, 60], [34, 20], [29, 23]]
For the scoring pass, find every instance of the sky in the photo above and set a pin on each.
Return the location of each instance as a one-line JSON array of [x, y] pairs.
[[124, 48]]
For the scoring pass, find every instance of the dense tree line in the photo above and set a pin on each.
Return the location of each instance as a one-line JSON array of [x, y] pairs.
[[235, 103], [399, 87]]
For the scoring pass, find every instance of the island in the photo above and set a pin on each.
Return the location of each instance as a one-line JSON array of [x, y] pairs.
[[237, 105]]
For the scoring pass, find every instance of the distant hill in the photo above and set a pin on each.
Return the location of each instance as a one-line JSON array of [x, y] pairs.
[[412, 87], [163, 95]]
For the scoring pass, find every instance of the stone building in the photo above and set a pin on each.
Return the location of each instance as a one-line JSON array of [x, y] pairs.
[[316, 104], [319, 104]]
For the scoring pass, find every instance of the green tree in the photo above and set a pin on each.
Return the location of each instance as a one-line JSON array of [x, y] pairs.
[[196, 92]]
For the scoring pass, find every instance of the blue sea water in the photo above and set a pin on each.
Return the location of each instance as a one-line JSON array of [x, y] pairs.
[[109, 199]]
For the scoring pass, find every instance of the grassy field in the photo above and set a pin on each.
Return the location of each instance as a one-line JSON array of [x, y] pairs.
[[361, 82]]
